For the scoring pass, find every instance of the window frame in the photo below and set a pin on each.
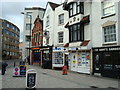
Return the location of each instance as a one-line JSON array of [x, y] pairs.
[[72, 32], [60, 37], [79, 5], [103, 8], [109, 33], [61, 19], [27, 26]]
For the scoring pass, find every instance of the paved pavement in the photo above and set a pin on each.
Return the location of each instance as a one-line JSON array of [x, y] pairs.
[[47, 78]]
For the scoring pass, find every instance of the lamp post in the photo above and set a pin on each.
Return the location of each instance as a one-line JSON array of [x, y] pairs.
[[30, 16]]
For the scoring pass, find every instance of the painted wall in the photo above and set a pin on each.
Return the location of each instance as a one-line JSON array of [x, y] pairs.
[[49, 28], [61, 28], [97, 22]]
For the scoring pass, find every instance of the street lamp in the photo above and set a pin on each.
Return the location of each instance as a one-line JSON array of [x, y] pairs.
[[30, 16]]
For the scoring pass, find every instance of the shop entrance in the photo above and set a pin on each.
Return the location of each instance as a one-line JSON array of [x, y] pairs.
[[106, 60], [66, 60]]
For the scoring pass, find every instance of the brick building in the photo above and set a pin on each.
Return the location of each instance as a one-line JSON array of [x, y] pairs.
[[37, 39]]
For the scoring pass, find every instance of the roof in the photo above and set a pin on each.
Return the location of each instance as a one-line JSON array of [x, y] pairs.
[[34, 8], [53, 5], [85, 43], [38, 19]]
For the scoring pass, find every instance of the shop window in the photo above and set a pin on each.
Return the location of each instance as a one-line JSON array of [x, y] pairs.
[[58, 58]]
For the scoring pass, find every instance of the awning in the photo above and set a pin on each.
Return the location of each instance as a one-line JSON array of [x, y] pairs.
[[85, 43], [85, 19], [66, 45]]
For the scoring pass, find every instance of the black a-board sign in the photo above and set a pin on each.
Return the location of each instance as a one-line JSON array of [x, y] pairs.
[[22, 70], [31, 79]]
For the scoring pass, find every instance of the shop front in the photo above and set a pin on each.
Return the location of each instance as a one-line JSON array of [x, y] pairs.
[[106, 61], [47, 57], [36, 56], [80, 60], [58, 57]]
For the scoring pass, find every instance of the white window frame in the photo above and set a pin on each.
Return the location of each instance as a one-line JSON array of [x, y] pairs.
[[61, 19], [110, 9], [109, 33], [60, 37]]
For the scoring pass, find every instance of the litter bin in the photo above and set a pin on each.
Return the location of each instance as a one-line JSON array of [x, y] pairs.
[[31, 77]]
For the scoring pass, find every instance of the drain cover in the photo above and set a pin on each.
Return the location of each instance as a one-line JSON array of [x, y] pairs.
[[93, 87]]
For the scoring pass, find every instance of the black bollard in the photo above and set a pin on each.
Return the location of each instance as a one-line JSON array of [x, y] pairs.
[[14, 63]]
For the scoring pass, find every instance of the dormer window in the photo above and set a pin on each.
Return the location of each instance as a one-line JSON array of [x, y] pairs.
[[76, 8]]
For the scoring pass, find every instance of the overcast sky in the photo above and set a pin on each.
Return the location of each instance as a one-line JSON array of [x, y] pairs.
[[11, 10]]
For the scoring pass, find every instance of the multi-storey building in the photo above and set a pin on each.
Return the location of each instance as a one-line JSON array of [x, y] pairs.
[[48, 32], [61, 38], [106, 38], [30, 13], [79, 35], [94, 25], [10, 40], [37, 41]]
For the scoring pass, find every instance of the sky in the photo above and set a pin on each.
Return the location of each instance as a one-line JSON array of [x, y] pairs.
[[11, 10]]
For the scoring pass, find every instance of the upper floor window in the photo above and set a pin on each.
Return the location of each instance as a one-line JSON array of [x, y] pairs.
[[109, 33], [76, 33], [28, 14], [108, 8], [28, 38], [8, 25], [76, 8], [61, 19], [28, 26], [47, 21], [60, 37]]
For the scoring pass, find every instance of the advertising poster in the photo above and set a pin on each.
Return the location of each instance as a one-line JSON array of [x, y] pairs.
[[79, 60], [83, 59]]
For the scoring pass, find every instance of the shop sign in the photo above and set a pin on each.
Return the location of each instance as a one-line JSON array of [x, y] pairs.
[[22, 70], [58, 49], [72, 48], [31, 78]]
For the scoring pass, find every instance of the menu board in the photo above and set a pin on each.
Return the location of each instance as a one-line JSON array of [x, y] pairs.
[[31, 80]]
